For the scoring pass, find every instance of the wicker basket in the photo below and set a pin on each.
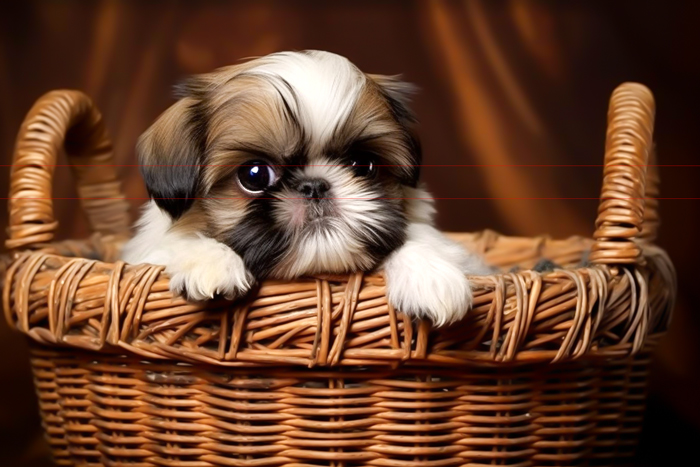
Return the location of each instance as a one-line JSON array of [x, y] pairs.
[[547, 369]]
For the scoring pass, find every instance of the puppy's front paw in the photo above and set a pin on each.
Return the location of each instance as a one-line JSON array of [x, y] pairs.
[[209, 269], [434, 289], [426, 277]]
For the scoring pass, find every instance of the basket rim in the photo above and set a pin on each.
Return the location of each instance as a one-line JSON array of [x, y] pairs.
[[414, 343]]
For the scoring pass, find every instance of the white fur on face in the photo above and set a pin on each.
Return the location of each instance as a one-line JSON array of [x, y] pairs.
[[333, 241], [325, 87]]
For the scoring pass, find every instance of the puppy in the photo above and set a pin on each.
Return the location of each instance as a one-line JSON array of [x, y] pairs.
[[290, 165]]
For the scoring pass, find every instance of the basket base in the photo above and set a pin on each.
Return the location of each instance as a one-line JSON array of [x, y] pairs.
[[102, 410]]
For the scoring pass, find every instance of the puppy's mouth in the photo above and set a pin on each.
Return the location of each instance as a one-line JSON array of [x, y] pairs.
[[316, 211], [314, 206], [299, 214]]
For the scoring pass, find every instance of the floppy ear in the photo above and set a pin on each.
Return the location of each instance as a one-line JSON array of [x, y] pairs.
[[170, 153], [398, 95]]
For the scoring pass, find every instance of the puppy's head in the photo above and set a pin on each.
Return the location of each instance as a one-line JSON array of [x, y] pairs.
[[298, 161]]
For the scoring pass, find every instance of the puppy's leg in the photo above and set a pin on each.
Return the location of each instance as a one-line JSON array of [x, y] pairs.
[[426, 276], [199, 267]]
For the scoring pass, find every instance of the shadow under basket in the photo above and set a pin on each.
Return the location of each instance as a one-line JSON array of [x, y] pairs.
[[548, 368]]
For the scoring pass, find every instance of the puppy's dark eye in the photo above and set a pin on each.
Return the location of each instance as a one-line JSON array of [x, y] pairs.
[[256, 176], [363, 164]]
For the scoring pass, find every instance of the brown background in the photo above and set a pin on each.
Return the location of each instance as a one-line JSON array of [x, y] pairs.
[[503, 83]]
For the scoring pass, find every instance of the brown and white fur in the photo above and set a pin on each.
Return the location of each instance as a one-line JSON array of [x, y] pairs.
[[337, 155]]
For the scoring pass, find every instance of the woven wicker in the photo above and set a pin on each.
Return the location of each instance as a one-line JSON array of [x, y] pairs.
[[547, 369]]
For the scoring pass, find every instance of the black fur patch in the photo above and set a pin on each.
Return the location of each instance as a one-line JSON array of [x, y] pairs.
[[417, 152], [407, 121], [545, 265], [380, 243], [257, 240], [174, 183]]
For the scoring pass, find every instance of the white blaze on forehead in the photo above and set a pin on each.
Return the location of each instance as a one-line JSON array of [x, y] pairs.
[[326, 87]]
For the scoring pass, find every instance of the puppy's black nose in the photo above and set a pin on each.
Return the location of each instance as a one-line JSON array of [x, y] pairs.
[[313, 188]]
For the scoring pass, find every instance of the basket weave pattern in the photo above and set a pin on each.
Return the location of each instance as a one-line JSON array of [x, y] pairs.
[[546, 369]]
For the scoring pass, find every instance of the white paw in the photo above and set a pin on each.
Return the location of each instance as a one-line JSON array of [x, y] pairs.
[[210, 268], [199, 267], [426, 277], [436, 290]]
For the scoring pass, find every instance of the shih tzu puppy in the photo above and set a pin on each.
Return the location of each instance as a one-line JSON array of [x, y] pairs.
[[291, 165]]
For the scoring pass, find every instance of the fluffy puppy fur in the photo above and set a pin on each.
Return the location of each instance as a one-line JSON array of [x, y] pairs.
[[295, 164]]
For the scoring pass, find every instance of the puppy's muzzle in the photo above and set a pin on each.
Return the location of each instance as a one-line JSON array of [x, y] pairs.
[[313, 188]]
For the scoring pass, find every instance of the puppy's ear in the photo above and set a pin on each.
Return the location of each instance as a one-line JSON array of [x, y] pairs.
[[398, 95], [170, 153]]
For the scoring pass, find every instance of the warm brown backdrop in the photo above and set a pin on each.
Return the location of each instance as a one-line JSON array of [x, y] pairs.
[[503, 83]]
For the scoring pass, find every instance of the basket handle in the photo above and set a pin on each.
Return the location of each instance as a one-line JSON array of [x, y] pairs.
[[62, 120], [624, 215]]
